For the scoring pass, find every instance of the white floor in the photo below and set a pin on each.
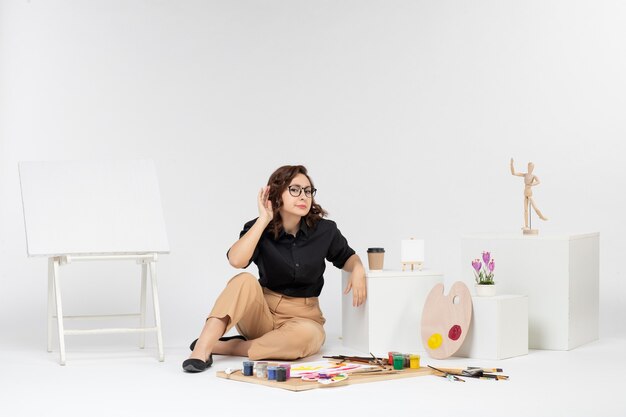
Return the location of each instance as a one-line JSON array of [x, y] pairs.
[[123, 381]]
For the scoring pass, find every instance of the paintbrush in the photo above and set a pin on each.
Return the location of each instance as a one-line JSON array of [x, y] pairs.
[[358, 359], [486, 369], [447, 375], [377, 361], [496, 377], [374, 372], [474, 373]]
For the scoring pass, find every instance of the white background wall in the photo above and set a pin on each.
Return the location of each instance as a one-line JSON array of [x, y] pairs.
[[405, 112]]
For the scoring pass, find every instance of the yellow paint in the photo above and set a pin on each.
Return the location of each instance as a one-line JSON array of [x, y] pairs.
[[414, 361], [435, 341]]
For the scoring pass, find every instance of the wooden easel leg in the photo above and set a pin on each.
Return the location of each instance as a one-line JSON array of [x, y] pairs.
[[157, 311], [57, 300], [142, 305]]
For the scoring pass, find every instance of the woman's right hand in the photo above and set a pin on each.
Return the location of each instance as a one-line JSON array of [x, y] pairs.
[[242, 251], [266, 213]]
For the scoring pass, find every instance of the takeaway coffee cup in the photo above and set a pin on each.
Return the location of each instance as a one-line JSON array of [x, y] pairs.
[[375, 258]]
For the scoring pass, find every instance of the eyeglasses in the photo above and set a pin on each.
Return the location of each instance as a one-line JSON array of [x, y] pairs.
[[296, 190]]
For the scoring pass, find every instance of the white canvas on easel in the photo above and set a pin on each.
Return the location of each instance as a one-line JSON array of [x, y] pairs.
[[94, 211], [96, 207]]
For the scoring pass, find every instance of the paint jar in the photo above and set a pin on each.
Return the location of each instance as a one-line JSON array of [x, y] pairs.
[[398, 361], [407, 360], [415, 361], [248, 368], [281, 374], [261, 369], [390, 360], [271, 373], [287, 367]]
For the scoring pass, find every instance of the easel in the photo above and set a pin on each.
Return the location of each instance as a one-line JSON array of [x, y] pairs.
[[55, 305], [82, 211], [412, 253], [413, 264]]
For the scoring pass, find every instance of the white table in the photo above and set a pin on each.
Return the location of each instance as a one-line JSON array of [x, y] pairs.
[[390, 319], [499, 328], [558, 273]]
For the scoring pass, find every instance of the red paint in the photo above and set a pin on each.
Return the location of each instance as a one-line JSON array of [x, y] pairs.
[[455, 332]]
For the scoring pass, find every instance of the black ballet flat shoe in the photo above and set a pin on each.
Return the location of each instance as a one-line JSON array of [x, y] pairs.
[[196, 365], [222, 339]]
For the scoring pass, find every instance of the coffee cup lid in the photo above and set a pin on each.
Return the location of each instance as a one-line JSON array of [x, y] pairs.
[[375, 250]]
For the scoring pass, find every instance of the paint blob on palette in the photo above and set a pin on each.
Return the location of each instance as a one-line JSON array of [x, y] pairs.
[[446, 320]]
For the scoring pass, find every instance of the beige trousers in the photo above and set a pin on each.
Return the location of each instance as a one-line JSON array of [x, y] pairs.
[[279, 327]]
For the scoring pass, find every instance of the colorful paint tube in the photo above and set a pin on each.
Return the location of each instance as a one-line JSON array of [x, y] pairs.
[[415, 361]]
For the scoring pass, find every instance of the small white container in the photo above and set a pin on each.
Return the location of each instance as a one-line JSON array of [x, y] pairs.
[[485, 290]]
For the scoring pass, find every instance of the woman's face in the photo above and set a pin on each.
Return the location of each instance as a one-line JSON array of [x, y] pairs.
[[301, 204]]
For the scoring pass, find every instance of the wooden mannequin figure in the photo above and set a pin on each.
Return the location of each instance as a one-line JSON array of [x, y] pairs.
[[530, 180]]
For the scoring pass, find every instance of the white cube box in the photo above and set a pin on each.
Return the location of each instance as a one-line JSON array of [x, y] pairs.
[[499, 328], [391, 317], [560, 276]]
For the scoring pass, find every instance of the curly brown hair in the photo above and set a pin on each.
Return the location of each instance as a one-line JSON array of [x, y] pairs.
[[278, 182]]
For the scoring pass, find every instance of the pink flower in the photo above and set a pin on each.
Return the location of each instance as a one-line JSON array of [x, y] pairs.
[[492, 265], [476, 264], [486, 257]]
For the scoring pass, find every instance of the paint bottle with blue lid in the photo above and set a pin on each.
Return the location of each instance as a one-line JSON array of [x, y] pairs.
[[271, 373], [248, 368]]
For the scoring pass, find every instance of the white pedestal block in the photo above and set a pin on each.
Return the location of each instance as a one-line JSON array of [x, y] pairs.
[[499, 328], [391, 317], [559, 274]]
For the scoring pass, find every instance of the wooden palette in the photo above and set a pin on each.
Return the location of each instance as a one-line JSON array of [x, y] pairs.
[[297, 384], [446, 320]]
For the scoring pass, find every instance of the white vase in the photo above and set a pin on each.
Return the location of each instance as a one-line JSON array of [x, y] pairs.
[[485, 290]]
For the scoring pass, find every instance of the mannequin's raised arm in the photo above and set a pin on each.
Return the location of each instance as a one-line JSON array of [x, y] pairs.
[[517, 174]]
